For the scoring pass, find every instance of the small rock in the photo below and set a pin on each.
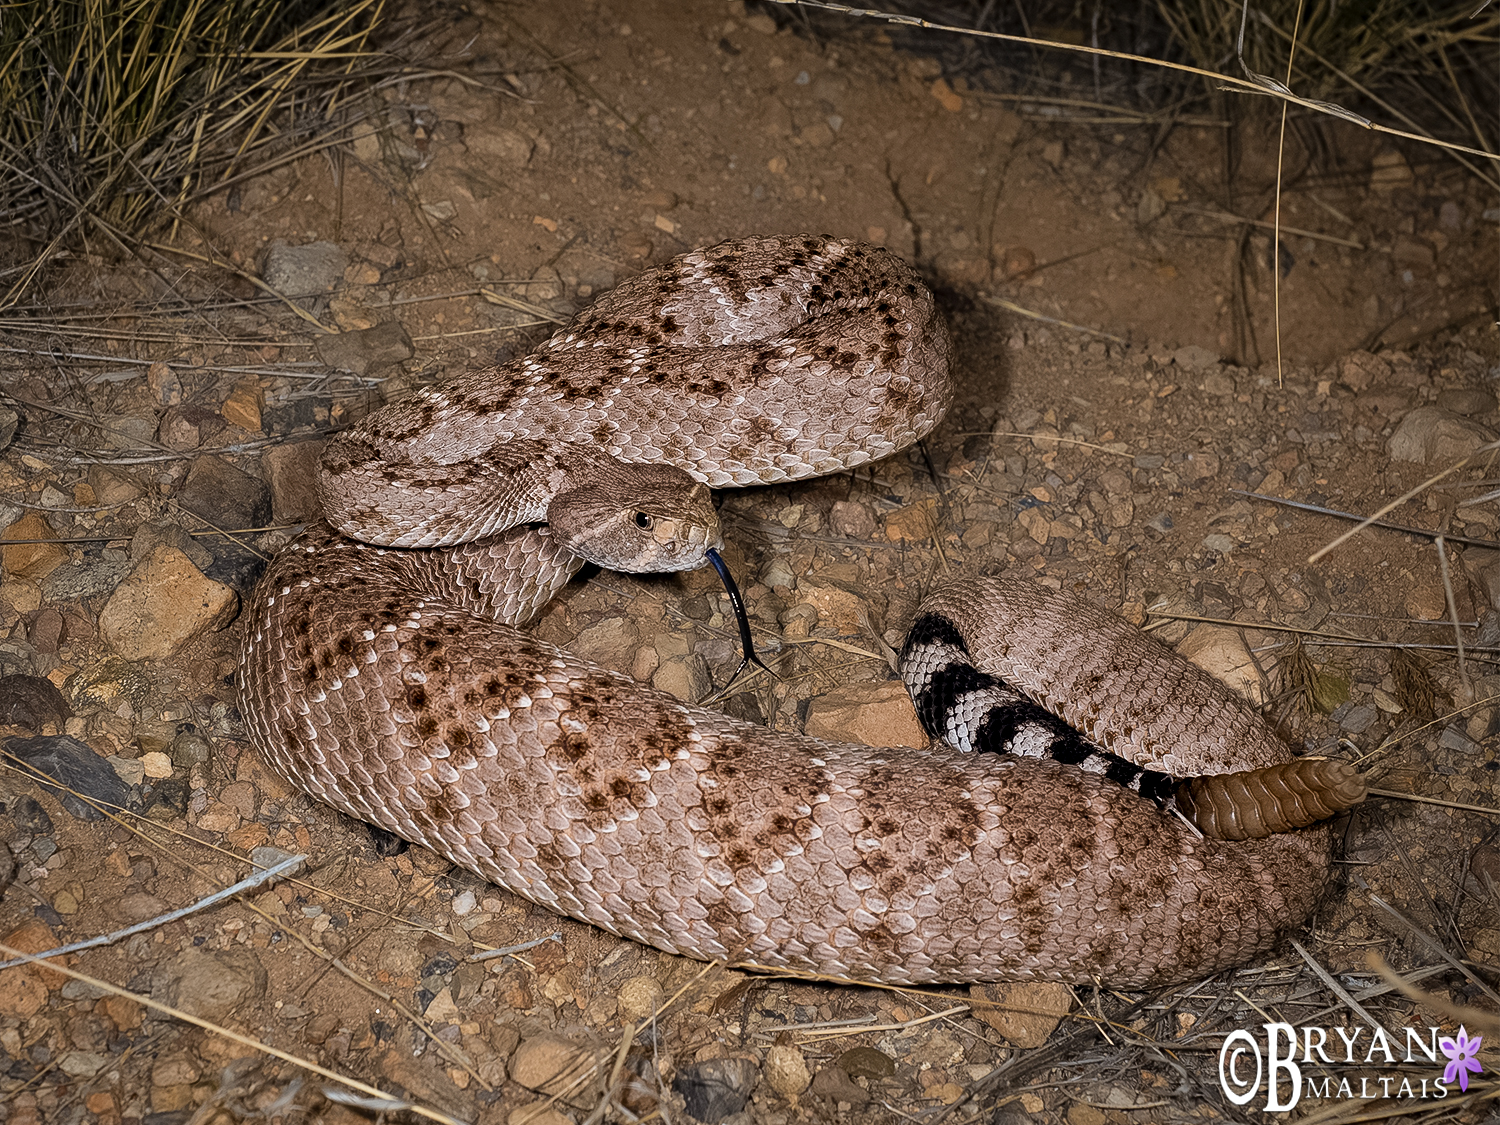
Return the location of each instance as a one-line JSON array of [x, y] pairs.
[[224, 497], [83, 1064], [175, 1070], [832, 1083], [126, 432], [1221, 652], [717, 1088], [685, 677], [1426, 602], [33, 560], [31, 702], [367, 351], [1195, 358], [292, 470], [505, 145], [843, 610], [610, 642], [156, 765], [913, 523], [46, 631], [1359, 718], [1359, 370], [106, 683], [244, 405], [112, 487], [164, 604], [876, 714], [218, 817], [23, 989], [550, 1064], [164, 385], [165, 533], [640, 996], [866, 1062], [786, 1070], [128, 770], [852, 518], [1430, 435], [88, 579], [184, 428], [303, 271], [1025, 1014], [1466, 401], [213, 986], [74, 767]]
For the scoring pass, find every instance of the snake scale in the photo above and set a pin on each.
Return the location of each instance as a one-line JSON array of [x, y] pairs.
[[392, 682]]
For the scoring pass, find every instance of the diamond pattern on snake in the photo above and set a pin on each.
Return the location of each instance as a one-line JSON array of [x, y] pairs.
[[1139, 826]]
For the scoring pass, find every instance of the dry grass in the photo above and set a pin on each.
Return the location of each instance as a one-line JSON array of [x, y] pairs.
[[115, 115]]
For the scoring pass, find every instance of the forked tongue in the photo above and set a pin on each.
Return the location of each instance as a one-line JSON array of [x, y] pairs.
[[747, 646]]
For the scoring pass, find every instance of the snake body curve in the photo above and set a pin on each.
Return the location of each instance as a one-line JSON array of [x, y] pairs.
[[389, 683]]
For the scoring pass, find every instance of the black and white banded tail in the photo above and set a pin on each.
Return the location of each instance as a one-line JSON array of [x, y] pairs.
[[974, 710]]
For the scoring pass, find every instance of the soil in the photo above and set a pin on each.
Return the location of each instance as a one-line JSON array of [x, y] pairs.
[[1122, 430]]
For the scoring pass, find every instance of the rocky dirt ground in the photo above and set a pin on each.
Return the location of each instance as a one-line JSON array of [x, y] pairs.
[[1133, 448]]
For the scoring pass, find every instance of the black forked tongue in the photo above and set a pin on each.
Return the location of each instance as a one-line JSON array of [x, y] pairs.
[[747, 646]]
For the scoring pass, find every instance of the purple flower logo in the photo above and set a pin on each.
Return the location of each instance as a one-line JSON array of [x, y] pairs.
[[1461, 1060]]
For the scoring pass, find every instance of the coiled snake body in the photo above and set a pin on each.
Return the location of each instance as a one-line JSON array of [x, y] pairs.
[[386, 682]]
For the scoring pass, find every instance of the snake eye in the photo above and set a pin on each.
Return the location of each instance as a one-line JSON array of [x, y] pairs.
[[643, 521]]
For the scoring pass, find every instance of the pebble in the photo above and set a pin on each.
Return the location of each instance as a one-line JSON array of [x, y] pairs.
[[912, 523], [244, 405], [367, 351], [833, 1083], [786, 1070], [685, 677], [88, 579], [23, 989], [1025, 1014], [292, 470], [867, 1062], [1430, 435], [843, 610], [223, 496], [852, 519], [1359, 718], [639, 996], [75, 767], [32, 702], [1358, 370], [1220, 650], [164, 385], [112, 487], [1466, 401], [184, 428], [1195, 358], [505, 145], [303, 271], [211, 985], [33, 561], [551, 1064], [875, 714], [164, 603], [716, 1088]]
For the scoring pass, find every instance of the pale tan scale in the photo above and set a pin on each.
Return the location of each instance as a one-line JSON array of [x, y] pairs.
[[389, 683]]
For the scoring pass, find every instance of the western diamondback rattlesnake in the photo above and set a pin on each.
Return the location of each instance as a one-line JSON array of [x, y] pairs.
[[387, 682]]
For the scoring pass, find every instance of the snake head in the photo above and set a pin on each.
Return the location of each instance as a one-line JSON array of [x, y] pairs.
[[637, 518]]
